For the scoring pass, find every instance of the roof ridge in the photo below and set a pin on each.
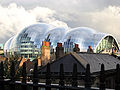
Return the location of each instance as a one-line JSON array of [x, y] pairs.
[[80, 59], [92, 53]]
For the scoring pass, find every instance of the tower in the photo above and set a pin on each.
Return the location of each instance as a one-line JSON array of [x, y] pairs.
[[45, 53]]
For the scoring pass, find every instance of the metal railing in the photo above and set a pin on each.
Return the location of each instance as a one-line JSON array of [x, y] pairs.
[[23, 83]]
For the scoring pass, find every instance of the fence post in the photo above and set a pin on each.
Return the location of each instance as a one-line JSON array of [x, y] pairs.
[[74, 76], [61, 75], [35, 77], [48, 75], [1, 76], [117, 78], [87, 77], [102, 78], [24, 76], [12, 76]]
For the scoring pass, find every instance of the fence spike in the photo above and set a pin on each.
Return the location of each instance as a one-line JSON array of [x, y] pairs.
[[24, 73], [87, 77], [102, 77], [12, 76], [1, 76], [48, 76], [24, 76], [35, 76], [117, 78], [1, 71], [74, 75], [61, 75], [12, 71]]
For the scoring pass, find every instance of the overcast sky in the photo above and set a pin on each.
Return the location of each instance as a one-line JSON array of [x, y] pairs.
[[101, 15]]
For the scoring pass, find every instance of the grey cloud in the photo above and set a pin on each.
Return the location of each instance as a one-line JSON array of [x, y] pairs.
[[83, 5], [76, 13], [14, 18]]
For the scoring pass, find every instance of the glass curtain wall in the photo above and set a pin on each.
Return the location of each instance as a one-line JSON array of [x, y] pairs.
[[106, 45]]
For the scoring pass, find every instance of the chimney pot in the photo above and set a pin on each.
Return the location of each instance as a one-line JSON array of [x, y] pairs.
[[76, 45], [90, 50], [59, 44], [90, 47], [43, 43], [59, 50], [47, 44], [76, 48]]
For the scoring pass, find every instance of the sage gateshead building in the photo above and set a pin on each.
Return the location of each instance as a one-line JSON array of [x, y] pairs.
[[28, 41]]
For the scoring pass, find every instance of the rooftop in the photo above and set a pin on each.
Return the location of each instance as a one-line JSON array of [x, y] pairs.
[[82, 59]]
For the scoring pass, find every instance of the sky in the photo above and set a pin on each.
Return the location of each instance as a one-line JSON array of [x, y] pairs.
[[101, 15]]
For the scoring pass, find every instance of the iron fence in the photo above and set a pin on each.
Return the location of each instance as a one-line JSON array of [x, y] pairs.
[[24, 83]]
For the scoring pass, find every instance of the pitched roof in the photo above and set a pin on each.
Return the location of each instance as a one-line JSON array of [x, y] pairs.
[[68, 61], [95, 61], [82, 59]]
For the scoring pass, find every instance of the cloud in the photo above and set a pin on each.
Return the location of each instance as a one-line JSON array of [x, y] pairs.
[[106, 20], [14, 18], [103, 15]]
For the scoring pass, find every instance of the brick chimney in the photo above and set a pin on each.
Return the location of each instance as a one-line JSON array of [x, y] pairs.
[[45, 53], [90, 50], [76, 48], [59, 50]]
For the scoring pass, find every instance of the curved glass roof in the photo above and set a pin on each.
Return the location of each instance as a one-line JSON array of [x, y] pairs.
[[7, 45], [35, 34], [86, 37], [55, 35], [82, 36]]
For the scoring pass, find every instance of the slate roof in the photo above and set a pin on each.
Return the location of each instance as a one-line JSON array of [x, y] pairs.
[[82, 59], [68, 61], [95, 61]]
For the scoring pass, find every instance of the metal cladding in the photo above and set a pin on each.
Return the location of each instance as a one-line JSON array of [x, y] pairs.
[[29, 40]]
